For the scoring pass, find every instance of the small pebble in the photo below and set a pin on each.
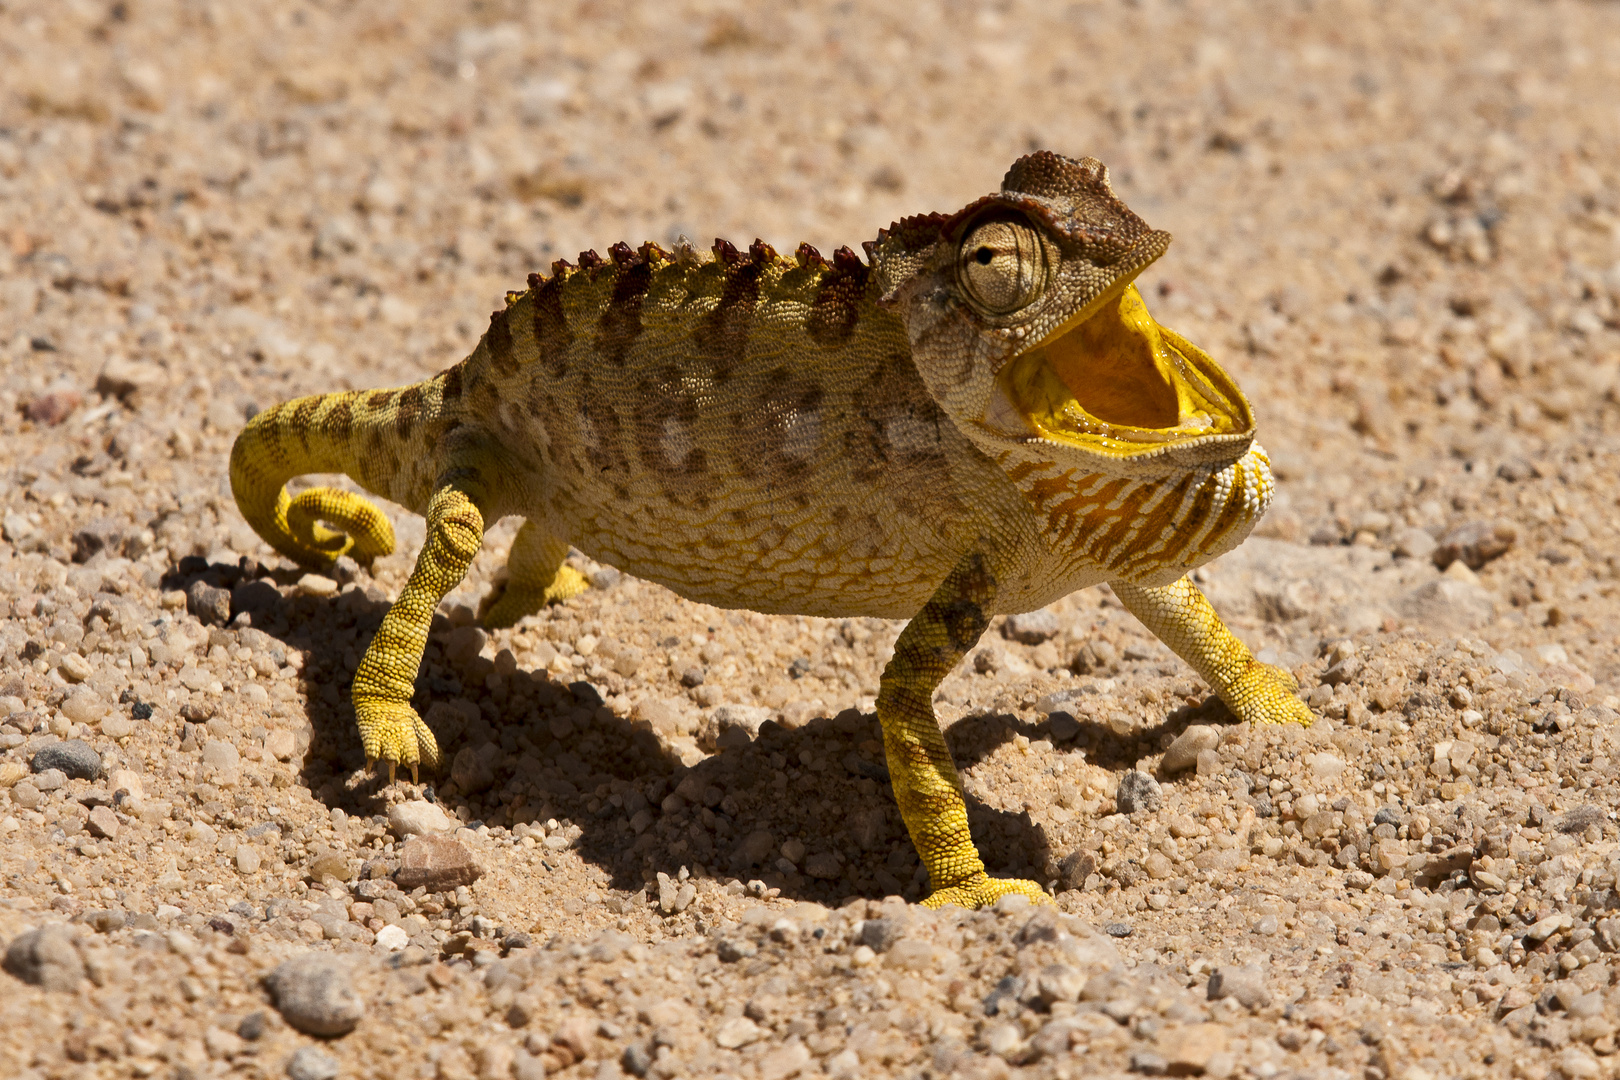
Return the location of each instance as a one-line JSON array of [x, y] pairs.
[[1137, 792], [46, 957], [309, 1063], [75, 758], [314, 993]]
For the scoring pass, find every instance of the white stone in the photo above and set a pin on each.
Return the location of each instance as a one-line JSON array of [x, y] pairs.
[[415, 817], [392, 938], [318, 585], [247, 859]]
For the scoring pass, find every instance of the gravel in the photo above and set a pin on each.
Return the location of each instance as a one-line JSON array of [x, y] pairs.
[[681, 814]]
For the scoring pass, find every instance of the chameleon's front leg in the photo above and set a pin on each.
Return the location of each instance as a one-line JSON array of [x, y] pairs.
[[1180, 616], [920, 767], [389, 728]]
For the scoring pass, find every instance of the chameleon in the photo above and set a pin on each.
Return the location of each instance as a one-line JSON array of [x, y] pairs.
[[978, 418]]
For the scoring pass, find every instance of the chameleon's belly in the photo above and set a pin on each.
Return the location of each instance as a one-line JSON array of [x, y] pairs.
[[834, 558]]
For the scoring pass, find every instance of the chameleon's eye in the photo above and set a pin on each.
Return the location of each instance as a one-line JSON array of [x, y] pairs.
[[1002, 266]]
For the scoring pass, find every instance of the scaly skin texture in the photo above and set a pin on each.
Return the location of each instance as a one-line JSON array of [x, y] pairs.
[[978, 419]]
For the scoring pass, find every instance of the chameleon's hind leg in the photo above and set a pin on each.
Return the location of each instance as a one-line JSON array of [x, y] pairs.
[[389, 728], [535, 576], [925, 781], [1180, 616]]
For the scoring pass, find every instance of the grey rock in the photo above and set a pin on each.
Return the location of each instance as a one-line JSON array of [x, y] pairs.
[[49, 780], [1074, 868], [46, 957], [1245, 985], [311, 1064], [636, 1059], [1448, 604], [75, 758], [210, 603], [1413, 543], [314, 993], [1148, 1063], [1344, 671], [1031, 628], [1182, 754], [1062, 726], [881, 934], [1138, 791], [730, 950]]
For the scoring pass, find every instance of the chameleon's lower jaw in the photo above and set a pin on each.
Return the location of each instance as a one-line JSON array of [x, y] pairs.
[[1119, 386]]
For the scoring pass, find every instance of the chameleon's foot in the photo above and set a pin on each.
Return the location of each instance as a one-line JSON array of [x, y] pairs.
[[1265, 694], [982, 890], [508, 602], [394, 733]]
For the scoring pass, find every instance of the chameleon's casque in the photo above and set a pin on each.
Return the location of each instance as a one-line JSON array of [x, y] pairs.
[[979, 418]]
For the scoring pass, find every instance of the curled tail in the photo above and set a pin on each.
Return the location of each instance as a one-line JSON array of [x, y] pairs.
[[366, 435]]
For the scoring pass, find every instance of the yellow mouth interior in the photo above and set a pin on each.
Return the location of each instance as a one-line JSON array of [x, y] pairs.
[[1119, 383]]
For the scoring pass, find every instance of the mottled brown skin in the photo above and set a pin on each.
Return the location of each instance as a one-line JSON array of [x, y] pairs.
[[981, 419]]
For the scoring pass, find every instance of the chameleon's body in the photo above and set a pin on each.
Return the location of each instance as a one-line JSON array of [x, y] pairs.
[[982, 420]]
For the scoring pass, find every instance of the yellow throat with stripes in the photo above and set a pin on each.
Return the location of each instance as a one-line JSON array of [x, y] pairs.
[[978, 418]]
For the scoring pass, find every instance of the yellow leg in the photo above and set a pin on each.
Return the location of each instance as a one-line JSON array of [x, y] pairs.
[[1180, 616], [925, 781], [535, 577], [389, 728]]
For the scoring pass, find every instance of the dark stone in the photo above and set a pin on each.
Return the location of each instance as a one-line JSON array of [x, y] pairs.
[[1062, 726], [730, 950], [308, 1063], [636, 1059], [881, 934], [1074, 868], [253, 1025], [314, 994], [209, 603], [46, 957], [74, 757]]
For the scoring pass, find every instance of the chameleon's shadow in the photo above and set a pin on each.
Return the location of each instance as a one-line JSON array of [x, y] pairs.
[[807, 811]]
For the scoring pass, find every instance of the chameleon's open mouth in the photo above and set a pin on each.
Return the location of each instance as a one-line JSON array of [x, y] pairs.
[[1116, 383]]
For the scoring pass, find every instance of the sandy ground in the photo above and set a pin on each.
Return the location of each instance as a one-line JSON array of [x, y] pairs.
[[667, 846]]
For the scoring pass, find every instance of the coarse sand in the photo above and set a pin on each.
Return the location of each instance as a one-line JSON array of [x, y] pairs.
[[665, 844]]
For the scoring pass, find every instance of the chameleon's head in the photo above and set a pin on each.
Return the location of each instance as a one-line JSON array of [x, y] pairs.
[[1027, 329]]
